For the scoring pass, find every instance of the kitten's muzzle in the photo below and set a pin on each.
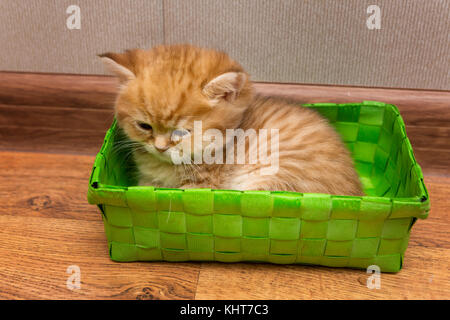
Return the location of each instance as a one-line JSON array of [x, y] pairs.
[[161, 143]]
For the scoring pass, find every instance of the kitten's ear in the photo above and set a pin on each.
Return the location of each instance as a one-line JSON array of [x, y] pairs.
[[120, 64], [227, 86]]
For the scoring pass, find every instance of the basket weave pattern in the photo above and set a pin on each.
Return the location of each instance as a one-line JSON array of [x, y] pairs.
[[147, 223]]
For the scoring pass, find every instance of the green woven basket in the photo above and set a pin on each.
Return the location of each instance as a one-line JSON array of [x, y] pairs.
[[148, 224]]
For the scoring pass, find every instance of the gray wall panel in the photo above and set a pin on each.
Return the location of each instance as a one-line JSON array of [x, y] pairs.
[[300, 41], [324, 42], [34, 36]]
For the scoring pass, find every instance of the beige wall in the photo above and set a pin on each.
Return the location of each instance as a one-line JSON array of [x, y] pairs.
[[321, 42]]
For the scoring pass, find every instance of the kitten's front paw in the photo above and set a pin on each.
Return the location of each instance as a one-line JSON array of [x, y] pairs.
[[146, 182]]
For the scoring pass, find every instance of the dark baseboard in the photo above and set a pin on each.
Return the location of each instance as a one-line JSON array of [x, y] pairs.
[[70, 113]]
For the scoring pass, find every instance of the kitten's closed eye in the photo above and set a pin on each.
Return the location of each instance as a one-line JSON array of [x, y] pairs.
[[145, 126], [179, 133]]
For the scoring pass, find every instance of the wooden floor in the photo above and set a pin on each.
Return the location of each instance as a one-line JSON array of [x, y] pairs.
[[47, 148], [46, 226]]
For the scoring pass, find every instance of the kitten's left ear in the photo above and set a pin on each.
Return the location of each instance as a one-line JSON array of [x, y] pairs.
[[227, 86], [120, 64]]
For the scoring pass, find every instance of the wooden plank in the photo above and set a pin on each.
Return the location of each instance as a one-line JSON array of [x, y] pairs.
[[429, 137], [63, 197], [97, 120], [25, 165], [46, 185], [71, 91], [51, 129], [38, 139], [47, 225], [433, 161], [48, 241], [35, 253], [432, 232]]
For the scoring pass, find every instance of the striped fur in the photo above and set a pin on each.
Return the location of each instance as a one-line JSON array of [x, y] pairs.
[[173, 86]]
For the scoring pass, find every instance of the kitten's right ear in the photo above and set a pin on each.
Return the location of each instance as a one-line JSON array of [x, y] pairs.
[[227, 87], [119, 64]]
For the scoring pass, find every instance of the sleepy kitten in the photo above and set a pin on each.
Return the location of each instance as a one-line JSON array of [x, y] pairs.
[[167, 91]]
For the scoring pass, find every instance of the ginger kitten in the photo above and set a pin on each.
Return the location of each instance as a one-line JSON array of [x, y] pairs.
[[167, 91]]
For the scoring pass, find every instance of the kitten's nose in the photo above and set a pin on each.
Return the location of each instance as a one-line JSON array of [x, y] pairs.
[[161, 144]]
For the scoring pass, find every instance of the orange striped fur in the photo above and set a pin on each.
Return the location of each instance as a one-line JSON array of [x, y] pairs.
[[170, 87]]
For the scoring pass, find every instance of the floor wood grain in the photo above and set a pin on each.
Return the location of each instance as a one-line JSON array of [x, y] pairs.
[[35, 253], [46, 226]]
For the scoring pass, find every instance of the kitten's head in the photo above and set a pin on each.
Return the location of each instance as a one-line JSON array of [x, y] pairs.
[[165, 89]]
